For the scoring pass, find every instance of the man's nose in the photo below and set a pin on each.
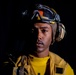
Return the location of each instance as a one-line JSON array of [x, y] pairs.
[[40, 35]]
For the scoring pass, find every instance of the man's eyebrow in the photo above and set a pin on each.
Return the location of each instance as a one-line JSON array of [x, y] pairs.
[[44, 27]]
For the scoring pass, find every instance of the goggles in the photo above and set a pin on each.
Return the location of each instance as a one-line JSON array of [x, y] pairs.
[[45, 14]]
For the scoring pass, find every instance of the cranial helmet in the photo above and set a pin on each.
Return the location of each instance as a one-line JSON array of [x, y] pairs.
[[45, 14]]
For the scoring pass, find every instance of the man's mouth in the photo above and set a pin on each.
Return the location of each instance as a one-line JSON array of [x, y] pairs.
[[39, 44]]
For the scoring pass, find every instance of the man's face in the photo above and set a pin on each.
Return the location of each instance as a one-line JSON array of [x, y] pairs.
[[41, 36]]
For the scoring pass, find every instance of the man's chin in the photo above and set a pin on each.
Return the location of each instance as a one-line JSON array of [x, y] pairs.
[[40, 50]]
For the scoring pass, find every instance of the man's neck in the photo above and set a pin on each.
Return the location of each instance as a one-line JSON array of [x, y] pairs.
[[42, 54]]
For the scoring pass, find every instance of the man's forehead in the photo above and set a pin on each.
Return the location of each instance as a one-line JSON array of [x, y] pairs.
[[42, 25]]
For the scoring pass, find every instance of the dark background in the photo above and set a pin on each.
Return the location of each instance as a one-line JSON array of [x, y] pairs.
[[12, 33]]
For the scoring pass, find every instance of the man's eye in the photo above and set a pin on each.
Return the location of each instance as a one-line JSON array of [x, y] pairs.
[[34, 30], [44, 31]]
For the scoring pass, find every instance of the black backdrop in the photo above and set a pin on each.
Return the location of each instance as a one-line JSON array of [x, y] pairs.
[[12, 34]]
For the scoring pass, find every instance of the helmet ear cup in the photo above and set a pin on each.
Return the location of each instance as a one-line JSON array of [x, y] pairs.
[[60, 32]]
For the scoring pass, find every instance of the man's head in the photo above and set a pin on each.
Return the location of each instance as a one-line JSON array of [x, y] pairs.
[[45, 14], [46, 27]]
